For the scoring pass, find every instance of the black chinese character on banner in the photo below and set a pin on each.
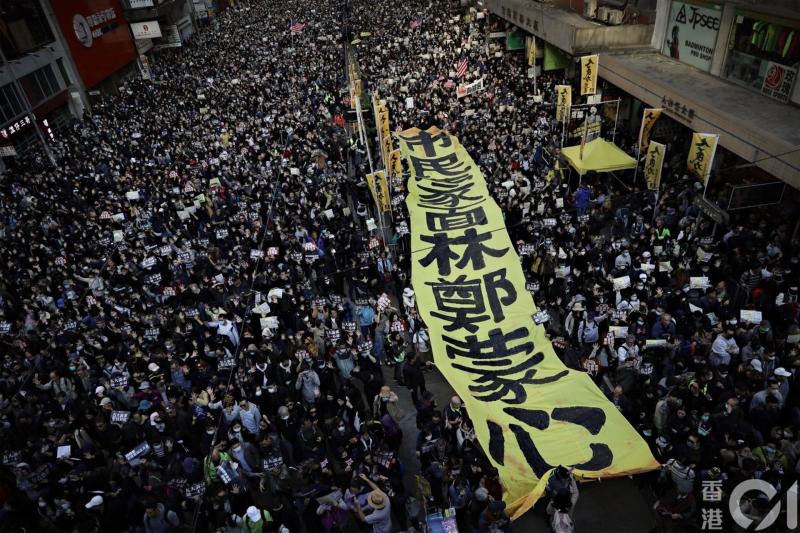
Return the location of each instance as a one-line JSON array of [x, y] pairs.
[[592, 419], [497, 376], [461, 302], [442, 253], [427, 141]]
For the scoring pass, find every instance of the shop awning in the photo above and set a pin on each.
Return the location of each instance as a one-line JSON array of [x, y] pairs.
[[598, 155]]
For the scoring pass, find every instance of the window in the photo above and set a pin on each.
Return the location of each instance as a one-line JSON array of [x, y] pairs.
[[25, 27], [10, 103], [40, 84], [63, 71], [762, 52]]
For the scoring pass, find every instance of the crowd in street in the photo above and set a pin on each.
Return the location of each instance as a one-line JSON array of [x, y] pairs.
[[199, 332]]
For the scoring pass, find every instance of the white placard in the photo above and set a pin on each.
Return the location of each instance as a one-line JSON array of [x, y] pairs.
[[622, 283], [753, 317], [620, 332]]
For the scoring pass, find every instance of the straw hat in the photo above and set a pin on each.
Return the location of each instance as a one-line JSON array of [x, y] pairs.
[[377, 499]]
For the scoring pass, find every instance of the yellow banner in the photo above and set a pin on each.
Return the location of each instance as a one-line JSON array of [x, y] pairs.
[[395, 164], [385, 196], [379, 187], [653, 164], [530, 47], [701, 154], [589, 66], [563, 101], [649, 118], [530, 412]]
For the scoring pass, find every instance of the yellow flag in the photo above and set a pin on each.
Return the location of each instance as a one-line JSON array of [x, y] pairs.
[[383, 121], [653, 164], [379, 187], [395, 164], [589, 65], [530, 412], [701, 154], [563, 101], [383, 184], [530, 47], [649, 118]]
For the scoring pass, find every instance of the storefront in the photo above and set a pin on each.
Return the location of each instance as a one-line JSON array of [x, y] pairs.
[[763, 54]]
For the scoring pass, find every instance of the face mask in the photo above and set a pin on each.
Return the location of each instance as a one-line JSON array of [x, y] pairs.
[[341, 428], [705, 418], [728, 408]]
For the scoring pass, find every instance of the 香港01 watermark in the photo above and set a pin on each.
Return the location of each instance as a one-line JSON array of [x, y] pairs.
[[740, 504]]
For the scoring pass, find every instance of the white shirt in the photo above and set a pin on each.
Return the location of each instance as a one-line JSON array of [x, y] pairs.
[[227, 328], [625, 351]]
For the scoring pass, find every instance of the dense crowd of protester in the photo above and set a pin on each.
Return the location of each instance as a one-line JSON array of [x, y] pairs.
[[200, 333]]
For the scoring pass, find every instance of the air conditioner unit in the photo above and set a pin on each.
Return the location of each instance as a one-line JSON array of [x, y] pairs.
[[602, 13], [590, 9], [615, 17]]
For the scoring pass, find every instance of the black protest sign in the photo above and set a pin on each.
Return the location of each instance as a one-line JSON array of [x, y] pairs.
[[138, 452], [120, 417]]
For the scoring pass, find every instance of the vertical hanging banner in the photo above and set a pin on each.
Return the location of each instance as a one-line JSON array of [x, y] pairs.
[[649, 118], [530, 412], [395, 164], [653, 163], [530, 48], [379, 188], [589, 74], [701, 155], [563, 101]]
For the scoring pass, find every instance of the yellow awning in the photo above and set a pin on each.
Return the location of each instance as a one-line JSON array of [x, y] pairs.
[[598, 155]]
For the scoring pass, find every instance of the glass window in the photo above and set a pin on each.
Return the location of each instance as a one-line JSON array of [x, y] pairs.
[[40, 85], [10, 103], [25, 27], [52, 81], [63, 71], [762, 52]]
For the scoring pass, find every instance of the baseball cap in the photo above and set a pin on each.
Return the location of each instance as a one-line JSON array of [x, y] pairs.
[[253, 514], [96, 501], [100, 390], [780, 371]]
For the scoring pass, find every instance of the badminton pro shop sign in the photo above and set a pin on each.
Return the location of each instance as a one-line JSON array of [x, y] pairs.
[[97, 35]]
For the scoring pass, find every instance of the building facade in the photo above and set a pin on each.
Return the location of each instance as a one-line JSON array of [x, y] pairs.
[[725, 67]]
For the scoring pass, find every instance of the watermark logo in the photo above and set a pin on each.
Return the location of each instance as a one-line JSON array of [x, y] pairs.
[[739, 506]]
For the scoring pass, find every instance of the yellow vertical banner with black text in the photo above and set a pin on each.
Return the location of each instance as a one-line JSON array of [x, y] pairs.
[[530, 412], [563, 101], [379, 187], [383, 185], [653, 163], [649, 118], [589, 66], [701, 155], [395, 164], [530, 49]]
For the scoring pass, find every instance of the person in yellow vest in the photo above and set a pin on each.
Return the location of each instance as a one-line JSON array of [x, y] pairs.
[[661, 231], [255, 520]]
